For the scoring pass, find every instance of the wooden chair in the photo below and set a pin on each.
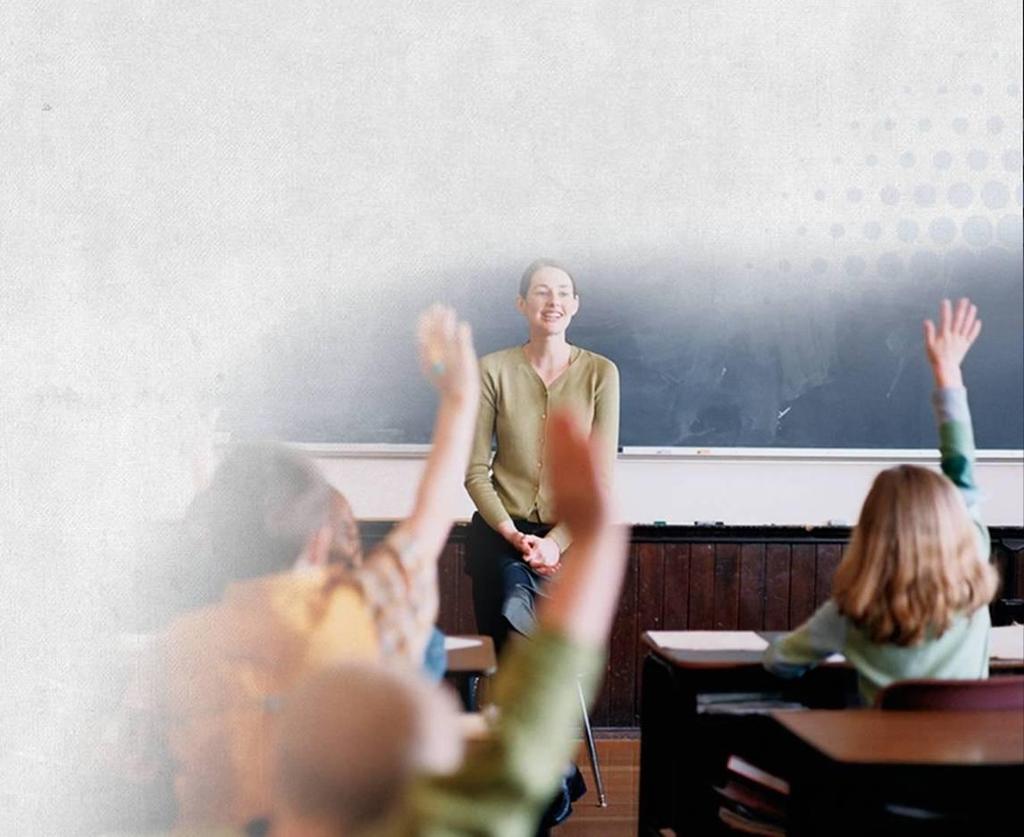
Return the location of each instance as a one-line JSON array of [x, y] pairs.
[[995, 693]]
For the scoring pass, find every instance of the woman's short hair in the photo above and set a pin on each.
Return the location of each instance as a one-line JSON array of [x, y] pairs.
[[913, 562], [534, 266]]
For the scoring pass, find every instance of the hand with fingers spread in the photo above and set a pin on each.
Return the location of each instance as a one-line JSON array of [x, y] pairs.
[[948, 344], [446, 353]]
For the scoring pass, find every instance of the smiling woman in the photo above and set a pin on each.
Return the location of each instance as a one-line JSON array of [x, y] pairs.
[[515, 540]]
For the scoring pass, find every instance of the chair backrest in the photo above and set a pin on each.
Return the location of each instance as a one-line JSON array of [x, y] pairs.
[[994, 693]]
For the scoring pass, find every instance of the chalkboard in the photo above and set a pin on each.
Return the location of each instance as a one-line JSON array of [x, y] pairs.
[[820, 357]]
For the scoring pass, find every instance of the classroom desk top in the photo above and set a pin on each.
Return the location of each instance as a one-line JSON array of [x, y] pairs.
[[731, 649], [470, 654], [917, 737]]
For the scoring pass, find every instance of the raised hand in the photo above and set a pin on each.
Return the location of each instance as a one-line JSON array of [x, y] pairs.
[[582, 500], [947, 345], [446, 353]]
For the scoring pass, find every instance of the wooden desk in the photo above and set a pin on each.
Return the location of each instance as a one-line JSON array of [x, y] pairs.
[[682, 751], [873, 736], [469, 657], [846, 766]]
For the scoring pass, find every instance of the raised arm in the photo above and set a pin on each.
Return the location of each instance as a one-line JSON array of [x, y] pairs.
[[399, 578], [536, 687], [605, 431], [946, 346]]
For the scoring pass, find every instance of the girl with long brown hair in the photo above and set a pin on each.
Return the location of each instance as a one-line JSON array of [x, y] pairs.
[[909, 598]]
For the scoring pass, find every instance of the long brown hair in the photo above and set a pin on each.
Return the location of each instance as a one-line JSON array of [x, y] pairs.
[[912, 564]]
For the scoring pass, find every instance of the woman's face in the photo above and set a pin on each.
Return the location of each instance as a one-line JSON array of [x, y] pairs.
[[549, 304]]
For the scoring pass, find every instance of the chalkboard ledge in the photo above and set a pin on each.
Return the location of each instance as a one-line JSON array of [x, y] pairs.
[[346, 450]]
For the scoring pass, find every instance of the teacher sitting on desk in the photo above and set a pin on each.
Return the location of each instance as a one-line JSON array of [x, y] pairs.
[[514, 540]]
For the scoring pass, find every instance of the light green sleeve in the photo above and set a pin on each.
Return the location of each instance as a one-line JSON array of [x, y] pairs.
[[956, 445], [508, 779], [816, 639]]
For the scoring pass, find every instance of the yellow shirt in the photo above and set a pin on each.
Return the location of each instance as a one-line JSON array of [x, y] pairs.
[[228, 665], [514, 406]]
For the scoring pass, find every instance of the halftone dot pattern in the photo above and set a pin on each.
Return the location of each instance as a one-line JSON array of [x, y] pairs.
[[819, 266], [837, 231], [872, 230], [977, 231], [924, 264], [1010, 230], [854, 265], [942, 160], [819, 195], [871, 160], [907, 159], [907, 230], [995, 195], [924, 195], [995, 125], [924, 125], [942, 230], [854, 195], [889, 265], [960, 195], [960, 124], [1012, 159], [977, 159], [889, 195]]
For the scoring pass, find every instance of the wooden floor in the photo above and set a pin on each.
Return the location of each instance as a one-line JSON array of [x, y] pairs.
[[620, 768]]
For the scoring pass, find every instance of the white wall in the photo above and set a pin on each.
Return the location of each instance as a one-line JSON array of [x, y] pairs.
[[759, 489]]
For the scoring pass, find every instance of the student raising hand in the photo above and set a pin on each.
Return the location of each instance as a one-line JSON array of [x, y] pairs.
[[446, 353], [947, 345]]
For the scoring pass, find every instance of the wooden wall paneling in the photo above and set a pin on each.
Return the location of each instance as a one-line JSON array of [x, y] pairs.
[[776, 601], [752, 587], [727, 586], [702, 587], [651, 590], [676, 595], [829, 556], [448, 584], [801, 583], [623, 651], [464, 585]]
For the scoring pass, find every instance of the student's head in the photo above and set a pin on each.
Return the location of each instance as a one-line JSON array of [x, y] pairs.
[[350, 741], [266, 509], [913, 562], [548, 297]]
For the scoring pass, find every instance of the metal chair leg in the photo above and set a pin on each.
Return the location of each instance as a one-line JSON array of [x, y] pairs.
[[602, 801]]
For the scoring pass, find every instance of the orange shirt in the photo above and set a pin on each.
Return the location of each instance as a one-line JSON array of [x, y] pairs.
[[226, 669]]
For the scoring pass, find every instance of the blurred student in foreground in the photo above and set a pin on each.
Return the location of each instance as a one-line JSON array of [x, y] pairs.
[[367, 750], [274, 609]]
